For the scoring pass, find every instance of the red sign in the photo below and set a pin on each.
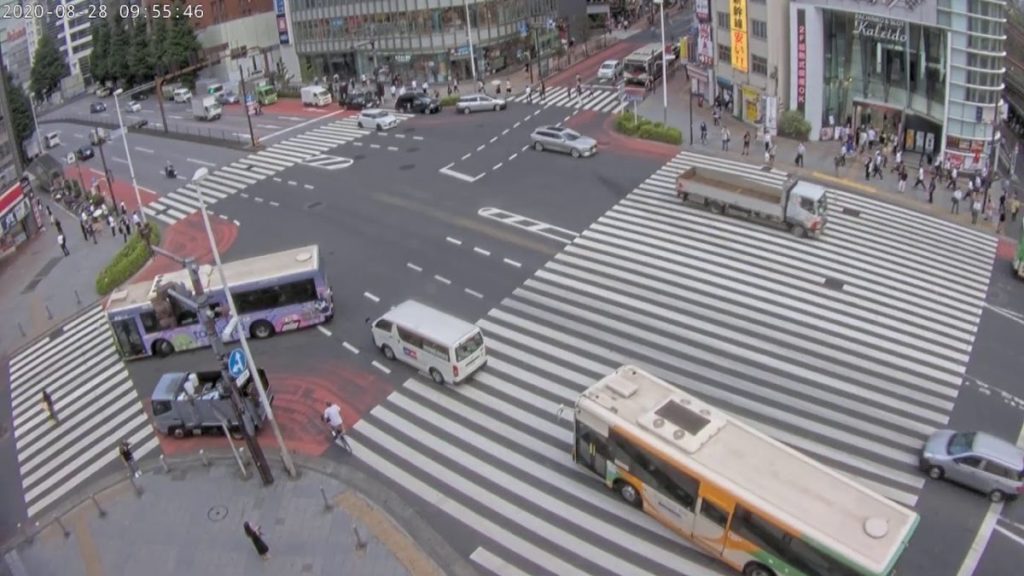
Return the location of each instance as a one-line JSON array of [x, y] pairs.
[[10, 198], [801, 61]]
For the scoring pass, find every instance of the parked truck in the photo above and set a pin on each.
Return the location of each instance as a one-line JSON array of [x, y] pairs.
[[800, 207], [194, 403], [205, 107], [209, 87], [167, 90], [315, 96]]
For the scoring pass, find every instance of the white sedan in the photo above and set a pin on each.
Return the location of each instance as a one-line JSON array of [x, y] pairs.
[[610, 70], [376, 118]]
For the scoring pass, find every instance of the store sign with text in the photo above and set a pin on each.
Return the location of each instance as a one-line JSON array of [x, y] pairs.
[[921, 11], [282, 23], [801, 60], [881, 29], [738, 30]]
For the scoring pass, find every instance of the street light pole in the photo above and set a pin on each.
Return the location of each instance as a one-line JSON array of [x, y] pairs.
[[32, 107], [128, 154], [469, 39], [664, 67], [100, 141], [286, 456]]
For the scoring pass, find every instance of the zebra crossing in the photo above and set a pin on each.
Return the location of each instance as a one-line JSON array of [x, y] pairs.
[[94, 400], [596, 100], [244, 172], [854, 373]]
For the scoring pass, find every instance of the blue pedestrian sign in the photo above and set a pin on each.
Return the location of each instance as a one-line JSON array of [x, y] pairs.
[[236, 363]]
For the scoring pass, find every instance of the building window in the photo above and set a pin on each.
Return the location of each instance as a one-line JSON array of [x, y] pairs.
[[759, 65], [723, 20], [724, 53], [759, 29]]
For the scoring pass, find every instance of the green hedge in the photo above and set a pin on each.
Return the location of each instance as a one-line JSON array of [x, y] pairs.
[[793, 125], [129, 260], [449, 100], [641, 127]]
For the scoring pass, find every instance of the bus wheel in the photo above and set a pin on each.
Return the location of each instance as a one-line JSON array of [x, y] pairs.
[[163, 348], [388, 352], [261, 329], [755, 569], [629, 494], [436, 376]]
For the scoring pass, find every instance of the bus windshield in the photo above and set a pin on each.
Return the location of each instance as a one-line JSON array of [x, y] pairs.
[[635, 68]]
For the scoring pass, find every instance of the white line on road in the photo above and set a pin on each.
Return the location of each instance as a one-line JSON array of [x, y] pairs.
[[325, 331], [293, 183], [399, 135], [374, 145], [241, 135], [357, 143], [300, 125], [493, 140], [222, 217], [258, 199], [473, 293], [447, 171], [271, 126], [527, 119], [513, 157], [381, 367], [412, 266], [371, 297], [1010, 535], [480, 250], [512, 263], [1008, 314], [141, 149], [393, 148], [505, 131], [455, 241], [442, 279], [176, 117], [525, 147], [122, 160], [480, 147], [496, 166], [537, 113], [276, 179], [272, 203], [237, 223], [567, 118], [292, 118], [307, 186], [467, 155], [350, 348], [417, 137], [516, 125]]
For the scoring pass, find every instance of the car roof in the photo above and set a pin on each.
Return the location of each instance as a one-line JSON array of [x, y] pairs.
[[994, 448], [607, 62]]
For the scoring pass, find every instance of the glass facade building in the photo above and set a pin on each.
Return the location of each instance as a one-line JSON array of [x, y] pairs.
[[930, 71], [421, 39]]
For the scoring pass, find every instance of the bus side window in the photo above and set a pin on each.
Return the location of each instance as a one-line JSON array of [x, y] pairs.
[[712, 512]]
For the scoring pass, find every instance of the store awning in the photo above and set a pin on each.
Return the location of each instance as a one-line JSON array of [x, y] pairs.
[[9, 198]]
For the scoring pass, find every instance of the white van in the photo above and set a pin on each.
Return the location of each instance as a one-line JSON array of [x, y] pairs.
[[438, 344], [182, 95], [51, 140]]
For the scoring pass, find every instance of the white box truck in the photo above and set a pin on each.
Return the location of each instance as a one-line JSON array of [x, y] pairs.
[[315, 96], [206, 107], [801, 207]]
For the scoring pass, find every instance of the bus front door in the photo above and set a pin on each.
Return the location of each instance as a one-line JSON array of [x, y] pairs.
[[711, 523], [128, 337]]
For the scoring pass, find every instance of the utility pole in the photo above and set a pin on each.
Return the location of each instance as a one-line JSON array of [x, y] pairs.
[[100, 141], [204, 310], [469, 40], [245, 100]]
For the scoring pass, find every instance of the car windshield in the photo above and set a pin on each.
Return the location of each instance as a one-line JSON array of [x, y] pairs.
[[607, 66], [960, 443], [376, 114], [469, 346], [570, 135]]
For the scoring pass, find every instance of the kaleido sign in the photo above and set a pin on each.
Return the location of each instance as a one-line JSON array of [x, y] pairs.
[[882, 29]]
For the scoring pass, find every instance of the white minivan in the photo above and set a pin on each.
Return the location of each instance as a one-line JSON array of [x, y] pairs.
[[52, 140], [438, 344], [182, 95]]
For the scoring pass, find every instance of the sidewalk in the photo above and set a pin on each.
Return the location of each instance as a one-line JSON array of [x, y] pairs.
[[189, 521], [818, 160]]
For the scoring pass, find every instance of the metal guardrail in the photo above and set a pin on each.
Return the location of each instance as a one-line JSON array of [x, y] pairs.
[[206, 134]]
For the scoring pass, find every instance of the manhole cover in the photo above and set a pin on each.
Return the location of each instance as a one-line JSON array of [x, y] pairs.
[[314, 205], [406, 166], [217, 513], [413, 149]]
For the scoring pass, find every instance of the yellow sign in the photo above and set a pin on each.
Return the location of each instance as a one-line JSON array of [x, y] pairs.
[[684, 49], [738, 27]]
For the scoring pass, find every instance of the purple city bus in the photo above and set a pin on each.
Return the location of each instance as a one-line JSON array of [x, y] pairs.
[[273, 293]]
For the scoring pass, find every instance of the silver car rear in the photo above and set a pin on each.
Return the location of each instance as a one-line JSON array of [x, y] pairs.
[[977, 460]]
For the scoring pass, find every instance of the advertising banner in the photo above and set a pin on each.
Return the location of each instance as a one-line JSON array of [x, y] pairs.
[[703, 10], [705, 49], [738, 30], [801, 60], [282, 23]]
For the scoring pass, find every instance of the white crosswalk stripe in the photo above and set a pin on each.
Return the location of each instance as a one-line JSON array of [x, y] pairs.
[[95, 401], [597, 100], [850, 347], [230, 179]]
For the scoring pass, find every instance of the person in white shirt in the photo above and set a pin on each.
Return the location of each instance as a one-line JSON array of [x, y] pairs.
[[332, 415]]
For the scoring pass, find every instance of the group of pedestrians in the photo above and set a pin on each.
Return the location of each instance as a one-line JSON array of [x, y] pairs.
[[118, 222]]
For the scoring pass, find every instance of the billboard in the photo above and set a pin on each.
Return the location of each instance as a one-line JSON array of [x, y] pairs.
[[705, 48], [738, 30], [801, 60]]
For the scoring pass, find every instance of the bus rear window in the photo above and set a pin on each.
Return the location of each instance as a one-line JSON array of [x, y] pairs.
[[469, 346]]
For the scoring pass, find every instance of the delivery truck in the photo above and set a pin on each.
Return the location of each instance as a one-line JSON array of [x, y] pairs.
[[194, 403], [800, 207], [205, 107], [315, 96], [209, 87]]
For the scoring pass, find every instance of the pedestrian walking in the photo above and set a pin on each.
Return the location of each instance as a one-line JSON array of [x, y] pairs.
[[746, 143], [48, 404], [63, 243], [529, 94], [110, 224], [81, 222], [255, 535], [902, 185], [508, 87], [123, 228], [957, 197], [920, 178], [135, 219], [479, 86], [716, 115], [124, 448], [124, 209], [58, 226], [92, 231], [931, 190], [703, 132], [1002, 219], [543, 90], [800, 151], [725, 138], [867, 168], [975, 209], [1014, 208]]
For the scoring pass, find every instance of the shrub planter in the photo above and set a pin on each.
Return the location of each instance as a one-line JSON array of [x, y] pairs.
[[639, 127]]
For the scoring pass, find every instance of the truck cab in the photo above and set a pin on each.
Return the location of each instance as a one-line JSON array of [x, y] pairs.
[[194, 403]]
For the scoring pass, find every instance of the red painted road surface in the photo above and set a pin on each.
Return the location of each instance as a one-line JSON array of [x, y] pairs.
[[284, 107], [188, 238]]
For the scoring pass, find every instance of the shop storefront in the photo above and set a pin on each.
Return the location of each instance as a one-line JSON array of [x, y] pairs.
[[19, 218]]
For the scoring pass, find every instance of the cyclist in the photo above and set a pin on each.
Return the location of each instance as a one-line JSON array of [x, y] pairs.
[[332, 415]]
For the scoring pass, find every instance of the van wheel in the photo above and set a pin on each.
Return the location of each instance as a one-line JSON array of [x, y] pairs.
[[755, 569], [629, 494], [388, 352], [798, 231], [936, 472], [261, 329], [538, 146], [436, 376], [163, 348], [996, 496], [177, 432]]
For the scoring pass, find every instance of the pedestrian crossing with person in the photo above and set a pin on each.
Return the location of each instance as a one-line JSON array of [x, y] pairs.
[[244, 172], [598, 100], [850, 348], [94, 407]]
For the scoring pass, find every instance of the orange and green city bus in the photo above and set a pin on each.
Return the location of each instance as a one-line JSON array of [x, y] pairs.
[[754, 503]]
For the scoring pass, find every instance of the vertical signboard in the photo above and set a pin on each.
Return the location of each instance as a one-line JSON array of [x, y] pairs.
[[282, 23], [738, 29], [801, 60]]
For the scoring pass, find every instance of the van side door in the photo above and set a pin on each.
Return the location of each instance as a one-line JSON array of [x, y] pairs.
[[411, 345]]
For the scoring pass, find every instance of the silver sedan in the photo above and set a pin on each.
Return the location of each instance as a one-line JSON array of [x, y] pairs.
[[479, 103], [561, 139]]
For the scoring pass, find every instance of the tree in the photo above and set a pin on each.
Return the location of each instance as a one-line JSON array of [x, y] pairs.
[[140, 64], [119, 49], [158, 46], [21, 112], [100, 55], [182, 48], [48, 69]]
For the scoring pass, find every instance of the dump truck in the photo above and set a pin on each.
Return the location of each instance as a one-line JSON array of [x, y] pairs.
[[206, 107], [194, 403], [800, 207]]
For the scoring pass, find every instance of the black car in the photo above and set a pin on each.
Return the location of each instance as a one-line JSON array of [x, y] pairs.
[[418, 103], [139, 123], [359, 100], [84, 153], [139, 96], [97, 107]]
